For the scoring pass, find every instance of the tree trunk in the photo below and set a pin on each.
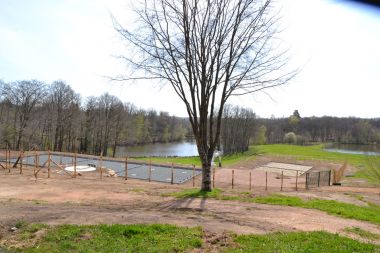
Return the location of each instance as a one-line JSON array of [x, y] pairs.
[[206, 176]]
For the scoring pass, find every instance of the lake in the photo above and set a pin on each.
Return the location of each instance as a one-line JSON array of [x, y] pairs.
[[353, 149], [184, 148]]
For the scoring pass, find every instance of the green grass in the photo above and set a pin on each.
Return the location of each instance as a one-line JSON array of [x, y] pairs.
[[362, 233], [370, 213], [118, 238], [300, 242]]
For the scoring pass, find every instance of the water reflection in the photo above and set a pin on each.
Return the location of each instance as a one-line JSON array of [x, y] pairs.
[[185, 148], [353, 149]]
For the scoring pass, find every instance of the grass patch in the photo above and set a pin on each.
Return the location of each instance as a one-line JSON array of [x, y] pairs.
[[362, 233], [116, 238], [300, 242], [370, 213]]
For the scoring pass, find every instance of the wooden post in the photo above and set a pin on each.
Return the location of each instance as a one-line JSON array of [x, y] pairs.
[[22, 158], [266, 180], [48, 163], [330, 177], [319, 177], [297, 181], [282, 178], [6, 159], [75, 164], [9, 161], [213, 178], [150, 170], [193, 175], [172, 178], [306, 182], [35, 161], [126, 168], [250, 181], [233, 177], [101, 165]]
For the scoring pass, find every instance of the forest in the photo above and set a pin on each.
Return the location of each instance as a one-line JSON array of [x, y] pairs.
[[36, 115]]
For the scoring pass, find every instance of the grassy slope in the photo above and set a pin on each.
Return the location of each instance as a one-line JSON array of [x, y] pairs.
[[306, 242], [116, 238], [168, 238], [370, 213]]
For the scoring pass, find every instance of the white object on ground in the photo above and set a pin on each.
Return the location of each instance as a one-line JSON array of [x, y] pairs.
[[81, 168]]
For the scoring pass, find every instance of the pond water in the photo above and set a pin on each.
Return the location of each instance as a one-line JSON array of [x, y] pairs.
[[353, 149], [185, 148]]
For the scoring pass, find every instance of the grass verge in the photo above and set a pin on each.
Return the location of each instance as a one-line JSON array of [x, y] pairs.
[[113, 238], [300, 242], [370, 213], [362, 233]]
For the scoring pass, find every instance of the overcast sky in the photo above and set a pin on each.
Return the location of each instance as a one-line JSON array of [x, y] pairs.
[[335, 42]]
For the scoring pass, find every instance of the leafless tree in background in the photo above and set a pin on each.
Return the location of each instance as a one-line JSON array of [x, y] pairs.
[[208, 51], [25, 95]]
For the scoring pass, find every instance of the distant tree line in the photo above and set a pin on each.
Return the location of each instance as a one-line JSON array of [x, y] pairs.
[[297, 129], [36, 115]]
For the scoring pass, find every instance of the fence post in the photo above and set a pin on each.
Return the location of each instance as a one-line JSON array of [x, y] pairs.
[[150, 169], [9, 161], [48, 161], [193, 175], [233, 177], [266, 180], [307, 179], [282, 178], [126, 168], [6, 159], [172, 175], [330, 177], [319, 177], [250, 181], [75, 164], [297, 181], [101, 165], [35, 162], [22, 158], [213, 178]]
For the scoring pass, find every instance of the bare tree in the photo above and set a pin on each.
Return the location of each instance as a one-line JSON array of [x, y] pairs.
[[208, 51], [25, 96], [62, 98]]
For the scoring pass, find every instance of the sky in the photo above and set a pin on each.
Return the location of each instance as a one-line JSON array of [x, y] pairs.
[[334, 43]]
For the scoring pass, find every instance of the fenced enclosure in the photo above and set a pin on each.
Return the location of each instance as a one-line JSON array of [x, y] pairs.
[[123, 168], [267, 177]]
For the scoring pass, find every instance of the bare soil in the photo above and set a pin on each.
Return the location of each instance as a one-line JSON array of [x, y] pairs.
[[89, 200]]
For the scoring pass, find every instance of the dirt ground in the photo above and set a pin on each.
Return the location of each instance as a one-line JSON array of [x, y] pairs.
[[89, 200]]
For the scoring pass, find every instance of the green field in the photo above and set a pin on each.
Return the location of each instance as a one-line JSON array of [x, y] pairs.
[[169, 238]]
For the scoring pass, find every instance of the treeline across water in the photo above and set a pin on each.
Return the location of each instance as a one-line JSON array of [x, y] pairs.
[[36, 115], [301, 130]]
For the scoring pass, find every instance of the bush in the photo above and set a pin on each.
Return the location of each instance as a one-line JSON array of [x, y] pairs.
[[290, 138]]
